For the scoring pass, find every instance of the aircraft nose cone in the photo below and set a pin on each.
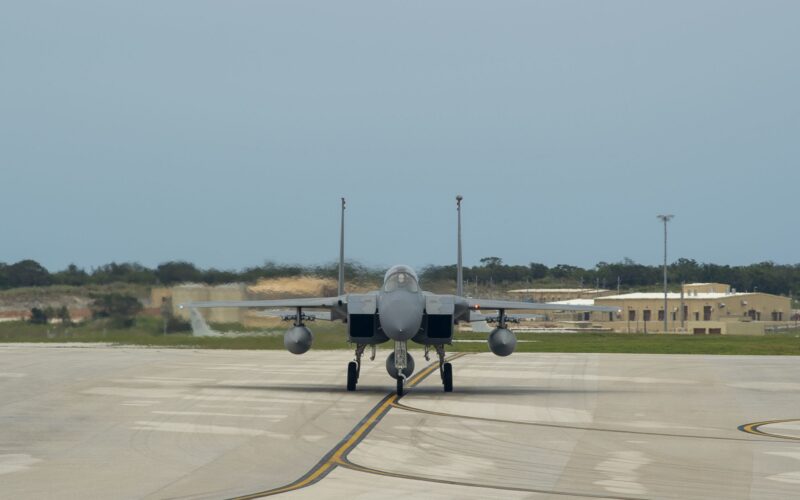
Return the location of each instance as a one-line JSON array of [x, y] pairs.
[[400, 319]]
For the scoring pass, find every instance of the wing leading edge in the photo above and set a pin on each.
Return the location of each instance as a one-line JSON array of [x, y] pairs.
[[316, 302]]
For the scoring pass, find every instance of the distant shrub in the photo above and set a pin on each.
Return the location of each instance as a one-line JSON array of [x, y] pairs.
[[63, 315], [176, 325], [119, 309], [38, 316]]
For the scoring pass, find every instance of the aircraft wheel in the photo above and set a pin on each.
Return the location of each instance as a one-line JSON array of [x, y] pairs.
[[399, 387], [447, 377], [352, 376]]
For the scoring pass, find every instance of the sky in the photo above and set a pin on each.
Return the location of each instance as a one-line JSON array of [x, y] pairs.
[[225, 132]]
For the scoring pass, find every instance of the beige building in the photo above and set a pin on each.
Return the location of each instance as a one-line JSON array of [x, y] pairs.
[[701, 308], [183, 294], [707, 308], [173, 297]]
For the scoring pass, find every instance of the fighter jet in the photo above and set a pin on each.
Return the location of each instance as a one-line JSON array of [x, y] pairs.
[[399, 312]]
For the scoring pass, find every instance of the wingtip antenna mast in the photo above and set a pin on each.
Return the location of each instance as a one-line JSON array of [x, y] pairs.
[[341, 253], [459, 264]]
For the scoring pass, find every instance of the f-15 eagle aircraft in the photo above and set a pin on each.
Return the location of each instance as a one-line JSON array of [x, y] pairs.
[[400, 311]]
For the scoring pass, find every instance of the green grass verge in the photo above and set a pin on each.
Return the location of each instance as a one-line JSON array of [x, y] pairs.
[[785, 343], [147, 332]]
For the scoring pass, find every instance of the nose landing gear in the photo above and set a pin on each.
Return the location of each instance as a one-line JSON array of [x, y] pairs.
[[400, 365]]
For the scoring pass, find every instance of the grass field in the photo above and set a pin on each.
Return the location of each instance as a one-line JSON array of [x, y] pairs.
[[147, 332], [785, 343]]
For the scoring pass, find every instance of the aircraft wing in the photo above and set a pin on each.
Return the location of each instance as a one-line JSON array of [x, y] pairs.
[[533, 306], [479, 316], [317, 302], [285, 313]]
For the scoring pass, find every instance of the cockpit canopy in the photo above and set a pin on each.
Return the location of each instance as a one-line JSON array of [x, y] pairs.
[[400, 278]]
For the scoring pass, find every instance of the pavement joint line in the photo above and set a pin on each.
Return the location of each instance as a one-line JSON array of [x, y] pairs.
[[402, 406], [338, 455], [360, 468], [754, 428]]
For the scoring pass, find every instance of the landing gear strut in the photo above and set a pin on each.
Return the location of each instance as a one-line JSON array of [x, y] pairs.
[[445, 370], [354, 368], [403, 364]]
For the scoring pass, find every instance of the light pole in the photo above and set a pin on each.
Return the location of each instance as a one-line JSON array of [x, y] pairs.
[[341, 253], [665, 219], [459, 264]]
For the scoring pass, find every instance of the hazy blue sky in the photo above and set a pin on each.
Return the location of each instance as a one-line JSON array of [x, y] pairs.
[[225, 132]]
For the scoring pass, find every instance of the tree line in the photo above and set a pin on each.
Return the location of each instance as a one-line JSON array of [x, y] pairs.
[[780, 279], [29, 273], [766, 277]]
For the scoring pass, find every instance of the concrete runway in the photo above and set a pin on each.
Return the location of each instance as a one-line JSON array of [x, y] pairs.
[[112, 422]]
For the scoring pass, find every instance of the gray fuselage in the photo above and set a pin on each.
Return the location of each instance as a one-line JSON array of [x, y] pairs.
[[401, 304]]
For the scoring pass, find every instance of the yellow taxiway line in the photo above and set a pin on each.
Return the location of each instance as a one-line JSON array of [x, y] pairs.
[[754, 428], [338, 455]]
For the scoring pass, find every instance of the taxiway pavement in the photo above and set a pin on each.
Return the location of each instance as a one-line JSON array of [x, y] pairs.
[[117, 422]]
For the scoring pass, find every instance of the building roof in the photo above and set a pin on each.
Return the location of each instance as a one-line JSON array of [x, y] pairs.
[[558, 290], [672, 296], [575, 302]]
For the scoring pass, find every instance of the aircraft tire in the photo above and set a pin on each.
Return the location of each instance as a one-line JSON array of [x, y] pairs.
[[399, 387], [352, 376], [447, 377]]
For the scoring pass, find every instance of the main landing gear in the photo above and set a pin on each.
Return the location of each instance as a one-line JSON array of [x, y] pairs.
[[352, 375], [354, 367], [447, 377], [400, 374], [445, 369]]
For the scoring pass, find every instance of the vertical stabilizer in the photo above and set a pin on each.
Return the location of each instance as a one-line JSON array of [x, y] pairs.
[[341, 253], [459, 264]]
